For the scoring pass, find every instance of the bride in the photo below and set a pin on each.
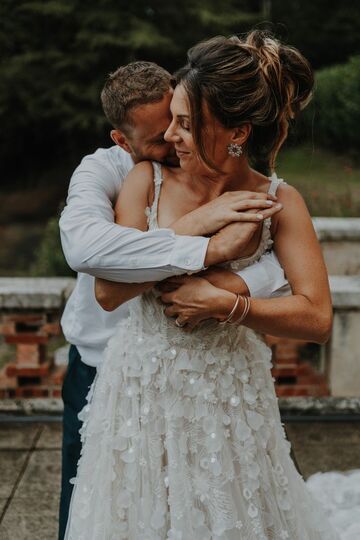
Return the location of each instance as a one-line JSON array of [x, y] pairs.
[[182, 437]]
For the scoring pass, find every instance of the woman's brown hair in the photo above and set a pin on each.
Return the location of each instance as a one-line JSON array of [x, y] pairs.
[[254, 79]]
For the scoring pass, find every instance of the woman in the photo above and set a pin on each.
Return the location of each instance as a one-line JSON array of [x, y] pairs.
[[182, 437]]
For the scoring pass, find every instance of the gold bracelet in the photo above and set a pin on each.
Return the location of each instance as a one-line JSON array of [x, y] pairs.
[[229, 317], [245, 310]]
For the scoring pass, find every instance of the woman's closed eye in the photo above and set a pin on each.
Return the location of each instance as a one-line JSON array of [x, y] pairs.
[[184, 125]]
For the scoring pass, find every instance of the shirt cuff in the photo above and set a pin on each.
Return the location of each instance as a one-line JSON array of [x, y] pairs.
[[189, 253], [260, 282]]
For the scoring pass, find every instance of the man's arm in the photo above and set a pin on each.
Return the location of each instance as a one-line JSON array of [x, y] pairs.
[[95, 245], [265, 278]]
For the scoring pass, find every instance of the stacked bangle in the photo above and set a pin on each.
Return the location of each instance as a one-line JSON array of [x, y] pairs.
[[232, 313], [230, 316]]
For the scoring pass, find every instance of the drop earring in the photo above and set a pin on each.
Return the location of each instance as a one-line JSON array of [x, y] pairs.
[[235, 150]]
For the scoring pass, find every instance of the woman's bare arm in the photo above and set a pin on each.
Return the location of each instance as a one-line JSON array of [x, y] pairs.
[[307, 313]]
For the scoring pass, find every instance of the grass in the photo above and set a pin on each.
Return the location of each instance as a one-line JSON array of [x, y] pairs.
[[329, 183]]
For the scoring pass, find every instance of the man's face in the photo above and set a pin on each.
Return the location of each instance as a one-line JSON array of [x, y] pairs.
[[146, 136]]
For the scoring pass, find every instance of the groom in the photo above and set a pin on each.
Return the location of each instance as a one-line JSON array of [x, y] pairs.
[[136, 100]]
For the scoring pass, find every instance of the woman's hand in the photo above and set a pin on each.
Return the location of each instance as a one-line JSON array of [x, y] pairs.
[[232, 206], [192, 300]]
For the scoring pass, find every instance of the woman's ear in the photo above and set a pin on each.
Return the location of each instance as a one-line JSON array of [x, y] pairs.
[[120, 139], [241, 134]]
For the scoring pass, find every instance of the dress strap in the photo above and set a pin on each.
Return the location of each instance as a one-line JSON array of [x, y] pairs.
[[151, 212], [266, 240], [274, 183]]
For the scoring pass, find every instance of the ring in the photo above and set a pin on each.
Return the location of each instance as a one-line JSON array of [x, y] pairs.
[[180, 325]]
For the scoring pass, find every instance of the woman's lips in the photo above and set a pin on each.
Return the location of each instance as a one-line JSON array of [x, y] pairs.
[[181, 153]]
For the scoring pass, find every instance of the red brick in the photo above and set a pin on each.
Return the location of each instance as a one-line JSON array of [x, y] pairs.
[[30, 354], [56, 393], [30, 318], [7, 328], [40, 370], [31, 392], [27, 338], [52, 329], [301, 390], [6, 381]]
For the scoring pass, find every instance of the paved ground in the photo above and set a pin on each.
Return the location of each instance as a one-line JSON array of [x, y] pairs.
[[30, 469]]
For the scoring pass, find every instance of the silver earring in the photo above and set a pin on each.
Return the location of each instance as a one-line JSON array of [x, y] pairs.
[[235, 150]]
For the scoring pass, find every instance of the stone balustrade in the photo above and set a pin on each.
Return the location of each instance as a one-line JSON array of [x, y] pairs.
[[342, 353], [30, 309], [340, 242]]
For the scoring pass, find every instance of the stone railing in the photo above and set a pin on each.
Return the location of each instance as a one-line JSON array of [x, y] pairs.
[[340, 241], [30, 309]]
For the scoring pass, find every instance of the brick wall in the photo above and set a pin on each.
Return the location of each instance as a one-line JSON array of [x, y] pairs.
[[32, 372]]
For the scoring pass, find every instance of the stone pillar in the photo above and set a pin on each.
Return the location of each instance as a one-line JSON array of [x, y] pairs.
[[343, 350], [29, 319]]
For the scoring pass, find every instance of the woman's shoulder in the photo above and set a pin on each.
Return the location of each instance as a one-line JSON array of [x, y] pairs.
[[286, 193], [143, 170], [294, 207]]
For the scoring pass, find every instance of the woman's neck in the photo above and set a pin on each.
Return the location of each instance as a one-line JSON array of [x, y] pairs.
[[239, 176]]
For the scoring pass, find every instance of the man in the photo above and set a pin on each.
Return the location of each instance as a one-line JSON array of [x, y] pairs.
[[136, 101]]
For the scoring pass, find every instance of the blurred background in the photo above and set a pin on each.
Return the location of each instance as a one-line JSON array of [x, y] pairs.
[[55, 56]]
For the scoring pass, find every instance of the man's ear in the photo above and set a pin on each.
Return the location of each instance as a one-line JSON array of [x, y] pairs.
[[120, 139], [241, 134]]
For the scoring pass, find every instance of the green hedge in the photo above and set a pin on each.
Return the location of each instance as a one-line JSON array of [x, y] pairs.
[[333, 118], [50, 260]]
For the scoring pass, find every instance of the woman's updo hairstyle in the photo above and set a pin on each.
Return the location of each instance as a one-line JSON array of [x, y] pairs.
[[255, 80]]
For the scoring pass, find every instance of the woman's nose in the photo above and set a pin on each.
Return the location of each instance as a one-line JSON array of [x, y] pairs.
[[170, 134]]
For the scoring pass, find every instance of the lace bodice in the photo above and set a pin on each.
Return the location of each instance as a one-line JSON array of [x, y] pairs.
[[265, 243]]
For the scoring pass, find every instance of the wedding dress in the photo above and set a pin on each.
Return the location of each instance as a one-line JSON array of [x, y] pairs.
[[339, 495], [182, 436]]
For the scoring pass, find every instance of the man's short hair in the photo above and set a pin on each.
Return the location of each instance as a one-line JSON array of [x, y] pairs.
[[137, 83]]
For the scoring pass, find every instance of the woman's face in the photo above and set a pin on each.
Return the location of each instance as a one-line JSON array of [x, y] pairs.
[[216, 138]]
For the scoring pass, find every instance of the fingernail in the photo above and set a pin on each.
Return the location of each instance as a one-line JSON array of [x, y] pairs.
[[270, 203], [279, 205], [259, 216]]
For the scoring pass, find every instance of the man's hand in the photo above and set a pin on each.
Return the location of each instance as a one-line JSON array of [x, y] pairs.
[[232, 206], [193, 299], [237, 240]]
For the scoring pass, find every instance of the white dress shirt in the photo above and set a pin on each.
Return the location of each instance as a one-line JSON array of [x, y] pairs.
[[96, 246]]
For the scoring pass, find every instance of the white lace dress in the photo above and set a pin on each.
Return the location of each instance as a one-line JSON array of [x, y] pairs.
[[182, 437]]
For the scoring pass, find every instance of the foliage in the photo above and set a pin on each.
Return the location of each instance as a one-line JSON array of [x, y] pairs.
[[329, 183], [326, 32], [333, 118], [57, 53], [50, 260]]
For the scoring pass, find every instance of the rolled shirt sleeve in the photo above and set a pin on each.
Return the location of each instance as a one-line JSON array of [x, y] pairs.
[[266, 278]]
